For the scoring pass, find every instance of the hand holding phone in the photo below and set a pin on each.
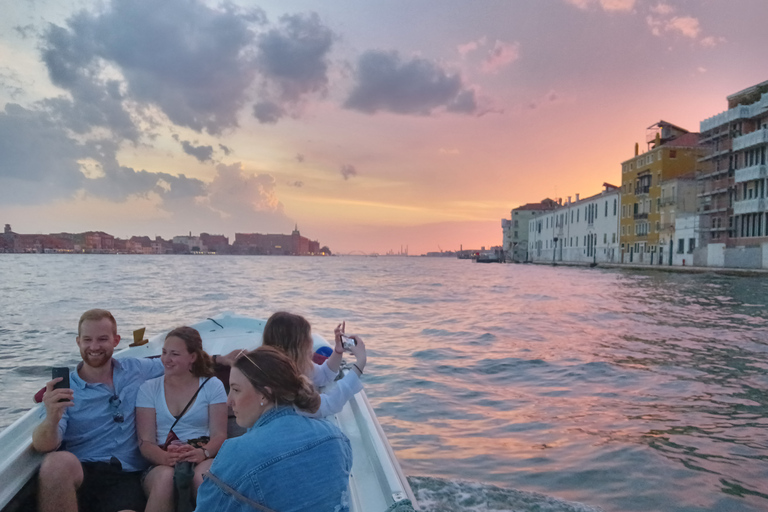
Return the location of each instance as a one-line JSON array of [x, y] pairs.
[[63, 372]]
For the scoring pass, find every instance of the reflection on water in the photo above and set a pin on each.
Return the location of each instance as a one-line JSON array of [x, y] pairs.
[[622, 390]]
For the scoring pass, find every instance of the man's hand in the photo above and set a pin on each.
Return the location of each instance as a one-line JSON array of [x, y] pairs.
[[56, 401]]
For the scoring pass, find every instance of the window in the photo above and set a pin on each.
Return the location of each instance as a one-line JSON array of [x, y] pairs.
[[680, 245], [606, 208], [672, 153], [614, 207], [605, 237], [691, 244], [613, 238]]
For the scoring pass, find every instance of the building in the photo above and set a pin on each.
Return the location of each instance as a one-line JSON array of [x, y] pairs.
[[678, 203], [515, 229], [580, 231], [287, 245], [732, 182], [672, 152], [192, 243], [215, 243]]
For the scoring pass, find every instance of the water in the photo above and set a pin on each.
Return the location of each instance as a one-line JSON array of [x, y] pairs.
[[622, 390]]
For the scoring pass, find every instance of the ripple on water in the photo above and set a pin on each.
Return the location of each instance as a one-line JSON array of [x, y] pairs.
[[441, 495]]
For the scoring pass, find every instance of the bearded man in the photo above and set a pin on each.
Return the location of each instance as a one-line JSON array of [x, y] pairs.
[[98, 465]]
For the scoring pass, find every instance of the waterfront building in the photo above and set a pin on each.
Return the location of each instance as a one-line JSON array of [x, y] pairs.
[[515, 229], [672, 152], [678, 201], [215, 243], [192, 243], [270, 244], [580, 231], [732, 182]]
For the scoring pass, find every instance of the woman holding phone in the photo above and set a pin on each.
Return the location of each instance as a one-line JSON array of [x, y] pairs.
[[292, 335]]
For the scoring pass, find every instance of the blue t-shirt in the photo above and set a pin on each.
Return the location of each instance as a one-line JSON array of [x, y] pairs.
[[88, 429]]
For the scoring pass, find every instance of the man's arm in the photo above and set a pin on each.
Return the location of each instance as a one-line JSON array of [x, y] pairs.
[[46, 436]]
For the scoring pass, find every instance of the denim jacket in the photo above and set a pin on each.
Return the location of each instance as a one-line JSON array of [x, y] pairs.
[[285, 462]]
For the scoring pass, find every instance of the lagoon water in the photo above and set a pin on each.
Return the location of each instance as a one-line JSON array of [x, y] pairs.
[[626, 391]]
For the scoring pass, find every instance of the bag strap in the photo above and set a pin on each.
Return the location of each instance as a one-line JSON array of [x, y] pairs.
[[229, 491], [189, 403]]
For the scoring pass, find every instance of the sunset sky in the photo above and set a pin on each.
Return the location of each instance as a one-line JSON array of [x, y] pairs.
[[372, 125]]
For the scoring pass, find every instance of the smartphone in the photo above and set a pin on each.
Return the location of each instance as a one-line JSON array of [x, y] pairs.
[[63, 372], [348, 342]]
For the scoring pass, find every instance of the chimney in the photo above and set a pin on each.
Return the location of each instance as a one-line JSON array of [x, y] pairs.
[[560, 201], [577, 198], [637, 149], [569, 199]]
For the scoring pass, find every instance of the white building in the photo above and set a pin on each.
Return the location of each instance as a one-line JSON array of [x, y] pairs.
[[686, 234], [582, 231], [515, 229]]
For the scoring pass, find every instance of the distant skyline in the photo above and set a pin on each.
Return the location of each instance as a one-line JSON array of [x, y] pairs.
[[371, 125]]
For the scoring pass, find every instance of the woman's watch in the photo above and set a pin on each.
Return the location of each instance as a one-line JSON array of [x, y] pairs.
[[207, 453]]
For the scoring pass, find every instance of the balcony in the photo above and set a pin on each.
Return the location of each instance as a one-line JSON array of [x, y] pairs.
[[749, 206], [754, 172], [641, 216], [751, 139], [740, 112]]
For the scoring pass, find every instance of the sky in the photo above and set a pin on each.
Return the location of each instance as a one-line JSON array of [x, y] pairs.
[[371, 125]]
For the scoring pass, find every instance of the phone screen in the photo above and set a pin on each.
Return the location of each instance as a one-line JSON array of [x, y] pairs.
[[63, 372]]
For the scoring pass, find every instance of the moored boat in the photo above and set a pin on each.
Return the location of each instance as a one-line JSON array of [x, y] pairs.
[[377, 482]]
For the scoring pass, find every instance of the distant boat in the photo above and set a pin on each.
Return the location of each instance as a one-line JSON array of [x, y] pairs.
[[488, 257]]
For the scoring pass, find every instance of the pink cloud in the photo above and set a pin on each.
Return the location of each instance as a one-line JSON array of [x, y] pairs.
[[471, 46], [686, 25], [501, 55], [607, 5]]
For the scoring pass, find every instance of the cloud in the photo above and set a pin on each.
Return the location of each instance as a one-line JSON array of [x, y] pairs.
[[417, 86], [607, 5], [293, 60], [663, 19], [38, 159], [235, 193], [181, 56], [224, 149], [297, 184], [202, 153], [348, 171], [25, 31], [467, 48], [500, 55], [686, 25], [268, 112], [40, 162]]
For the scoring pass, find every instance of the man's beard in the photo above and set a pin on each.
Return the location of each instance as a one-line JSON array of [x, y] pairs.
[[96, 360]]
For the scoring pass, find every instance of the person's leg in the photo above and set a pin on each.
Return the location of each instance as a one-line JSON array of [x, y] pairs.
[[61, 475], [201, 469], [158, 487]]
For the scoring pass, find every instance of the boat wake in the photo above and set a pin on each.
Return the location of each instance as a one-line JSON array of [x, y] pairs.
[[439, 495]]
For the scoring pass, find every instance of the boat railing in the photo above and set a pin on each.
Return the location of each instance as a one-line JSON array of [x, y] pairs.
[[18, 460]]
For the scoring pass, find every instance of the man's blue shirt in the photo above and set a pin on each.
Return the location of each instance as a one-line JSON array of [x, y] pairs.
[[88, 429]]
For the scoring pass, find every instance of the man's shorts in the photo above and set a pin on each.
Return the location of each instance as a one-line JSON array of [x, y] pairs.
[[107, 488]]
